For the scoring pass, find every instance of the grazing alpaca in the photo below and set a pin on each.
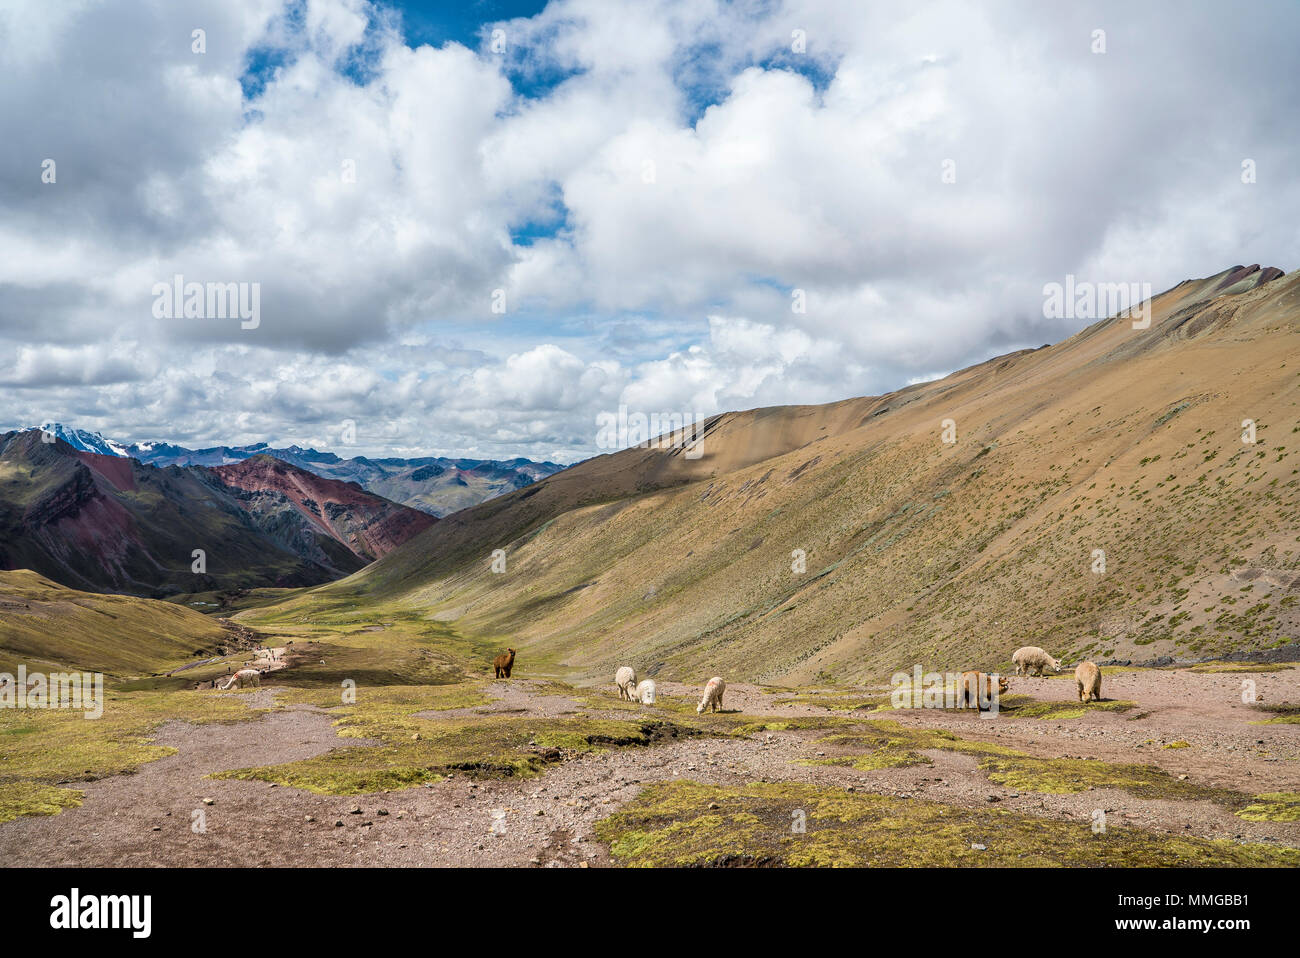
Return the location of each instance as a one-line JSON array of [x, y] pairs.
[[1031, 660], [504, 663], [625, 679], [712, 695], [975, 684], [243, 679], [1088, 678], [645, 692]]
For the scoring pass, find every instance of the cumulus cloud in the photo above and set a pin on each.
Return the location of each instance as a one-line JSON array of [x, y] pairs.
[[677, 205]]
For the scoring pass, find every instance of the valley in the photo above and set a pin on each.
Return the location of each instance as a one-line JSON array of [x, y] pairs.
[[1100, 498], [431, 765]]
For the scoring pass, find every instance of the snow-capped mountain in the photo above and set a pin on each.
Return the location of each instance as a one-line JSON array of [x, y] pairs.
[[432, 484], [84, 441]]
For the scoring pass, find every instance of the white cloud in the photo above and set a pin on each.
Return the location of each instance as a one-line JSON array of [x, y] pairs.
[[699, 180]]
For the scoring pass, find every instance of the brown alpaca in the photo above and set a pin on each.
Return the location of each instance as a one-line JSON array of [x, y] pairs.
[[504, 663], [975, 683]]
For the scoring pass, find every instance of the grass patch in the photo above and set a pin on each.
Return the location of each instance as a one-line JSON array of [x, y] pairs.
[[41, 748], [1283, 714], [1023, 706], [892, 745], [1273, 807], [1064, 775], [685, 823], [414, 750], [793, 724], [462, 695], [1239, 667], [839, 703], [35, 798]]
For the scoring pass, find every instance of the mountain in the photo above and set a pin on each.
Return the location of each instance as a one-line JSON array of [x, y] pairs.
[[83, 441], [368, 525], [112, 524], [431, 484], [1098, 500], [440, 486]]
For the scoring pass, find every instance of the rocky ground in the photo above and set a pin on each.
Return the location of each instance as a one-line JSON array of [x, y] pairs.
[[170, 813]]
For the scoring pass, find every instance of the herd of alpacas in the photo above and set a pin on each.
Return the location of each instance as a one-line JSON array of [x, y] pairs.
[[264, 660], [1031, 660], [644, 692], [975, 688]]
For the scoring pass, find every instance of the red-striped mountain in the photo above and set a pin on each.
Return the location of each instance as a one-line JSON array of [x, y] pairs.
[[110, 524], [369, 525]]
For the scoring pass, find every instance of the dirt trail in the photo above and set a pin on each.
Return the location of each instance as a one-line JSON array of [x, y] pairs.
[[146, 818]]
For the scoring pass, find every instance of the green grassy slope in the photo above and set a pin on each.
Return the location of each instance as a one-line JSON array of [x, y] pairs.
[[43, 624]]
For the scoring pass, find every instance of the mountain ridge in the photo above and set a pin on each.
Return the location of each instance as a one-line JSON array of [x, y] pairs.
[[915, 548], [107, 523], [433, 484]]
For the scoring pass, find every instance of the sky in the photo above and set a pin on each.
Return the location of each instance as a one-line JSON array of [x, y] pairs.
[[472, 228]]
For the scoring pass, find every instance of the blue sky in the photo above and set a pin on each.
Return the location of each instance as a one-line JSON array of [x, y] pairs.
[[426, 21], [682, 205]]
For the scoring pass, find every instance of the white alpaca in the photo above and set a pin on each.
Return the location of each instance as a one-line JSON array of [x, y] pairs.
[[645, 692], [243, 679], [1087, 677], [1032, 660], [712, 695], [625, 679]]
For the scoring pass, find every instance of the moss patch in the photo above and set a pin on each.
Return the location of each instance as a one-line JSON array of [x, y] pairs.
[[461, 695], [46, 747], [1023, 706], [1283, 714], [1063, 775], [34, 798], [685, 823], [839, 703], [793, 724], [413, 750], [893, 745], [1273, 807]]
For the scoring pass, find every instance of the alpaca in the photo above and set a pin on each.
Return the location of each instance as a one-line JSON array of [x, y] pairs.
[[243, 679], [1031, 660], [1088, 679], [645, 692], [625, 679], [712, 695], [504, 663], [975, 684]]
